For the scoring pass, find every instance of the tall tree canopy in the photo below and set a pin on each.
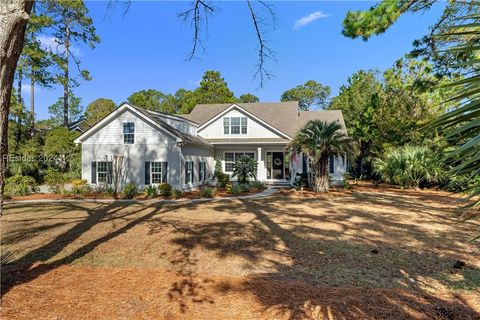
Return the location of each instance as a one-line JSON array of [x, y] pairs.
[[70, 24], [57, 111], [214, 89], [391, 110], [248, 98], [150, 99], [309, 94], [98, 109]]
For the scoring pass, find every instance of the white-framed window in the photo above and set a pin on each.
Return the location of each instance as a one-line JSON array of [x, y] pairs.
[[202, 171], [231, 157], [102, 172], [235, 125], [188, 171], [128, 133], [158, 172]]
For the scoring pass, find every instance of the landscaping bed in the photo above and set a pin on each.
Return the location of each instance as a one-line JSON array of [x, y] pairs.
[[194, 194]]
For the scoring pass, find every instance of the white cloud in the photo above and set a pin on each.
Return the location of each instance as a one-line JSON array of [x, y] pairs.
[[303, 21], [52, 44], [26, 88]]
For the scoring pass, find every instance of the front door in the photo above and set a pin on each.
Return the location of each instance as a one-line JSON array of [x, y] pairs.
[[277, 165]]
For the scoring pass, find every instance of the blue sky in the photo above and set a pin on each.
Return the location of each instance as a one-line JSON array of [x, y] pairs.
[[147, 48]]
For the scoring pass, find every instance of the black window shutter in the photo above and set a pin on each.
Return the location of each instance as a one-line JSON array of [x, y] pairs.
[[200, 171], [186, 172], [164, 172], [109, 172], [193, 172], [331, 164], [94, 172], [147, 173]]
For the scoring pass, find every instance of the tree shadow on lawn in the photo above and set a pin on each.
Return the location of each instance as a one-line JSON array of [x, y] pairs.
[[32, 265], [316, 272]]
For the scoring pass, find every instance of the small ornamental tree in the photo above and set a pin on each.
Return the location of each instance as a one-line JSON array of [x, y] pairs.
[[245, 168]]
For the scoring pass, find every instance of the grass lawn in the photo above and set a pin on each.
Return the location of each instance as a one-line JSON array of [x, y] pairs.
[[364, 253]]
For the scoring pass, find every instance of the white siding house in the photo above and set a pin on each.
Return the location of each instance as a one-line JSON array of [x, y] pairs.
[[181, 150]]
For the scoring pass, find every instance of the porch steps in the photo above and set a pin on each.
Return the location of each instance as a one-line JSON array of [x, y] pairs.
[[278, 184]]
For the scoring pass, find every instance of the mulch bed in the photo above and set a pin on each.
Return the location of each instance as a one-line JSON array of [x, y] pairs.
[[79, 292], [186, 195]]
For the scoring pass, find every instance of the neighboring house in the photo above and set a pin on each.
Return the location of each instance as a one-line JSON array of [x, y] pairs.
[[81, 125], [182, 149]]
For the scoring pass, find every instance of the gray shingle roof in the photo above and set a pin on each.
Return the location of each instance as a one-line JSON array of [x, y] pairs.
[[157, 119], [283, 116]]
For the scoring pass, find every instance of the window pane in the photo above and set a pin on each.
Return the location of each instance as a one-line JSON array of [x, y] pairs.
[[128, 127], [250, 154], [226, 121], [244, 130], [101, 167], [128, 138], [156, 178], [226, 130], [228, 166], [229, 156], [102, 177], [235, 121], [235, 129], [244, 121]]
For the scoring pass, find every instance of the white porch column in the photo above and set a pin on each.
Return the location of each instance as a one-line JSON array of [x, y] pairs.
[[261, 174]]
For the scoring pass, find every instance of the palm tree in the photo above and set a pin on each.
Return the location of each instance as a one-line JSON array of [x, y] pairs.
[[321, 140], [245, 168], [463, 122]]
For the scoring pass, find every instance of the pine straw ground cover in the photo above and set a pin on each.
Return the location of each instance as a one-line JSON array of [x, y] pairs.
[[364, 253]]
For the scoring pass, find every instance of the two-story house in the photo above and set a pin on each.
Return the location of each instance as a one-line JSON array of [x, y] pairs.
[[181, 149]]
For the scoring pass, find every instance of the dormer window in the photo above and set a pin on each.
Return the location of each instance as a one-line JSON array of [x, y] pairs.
[[235, 125], [128, 133]]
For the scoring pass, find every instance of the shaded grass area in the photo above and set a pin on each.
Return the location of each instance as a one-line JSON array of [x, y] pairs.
[[364, 253]]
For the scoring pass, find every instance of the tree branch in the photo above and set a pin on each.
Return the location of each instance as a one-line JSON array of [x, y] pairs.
[[197, 15], [264, 51]]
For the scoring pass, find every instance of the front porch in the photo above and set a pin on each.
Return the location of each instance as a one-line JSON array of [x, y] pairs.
[[275, 164]]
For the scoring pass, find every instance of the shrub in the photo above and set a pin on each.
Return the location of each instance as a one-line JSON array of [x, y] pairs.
[[245, 168], [207, 192], [130, 191], [223, 179], [301, 181], [150, 191], [462, 183], [55, 180], [218, 168], [245, 187], [236, 189], [165, 190], [228, 187], [258, 185], [79, 187], [176, 193], [20, 186], [409, 166]]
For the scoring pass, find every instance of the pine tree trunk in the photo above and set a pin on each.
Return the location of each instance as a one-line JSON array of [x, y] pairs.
[[14, 15], [65, 85], [32, 105], [18, 133]]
